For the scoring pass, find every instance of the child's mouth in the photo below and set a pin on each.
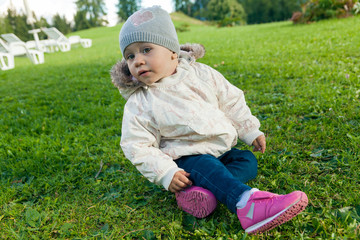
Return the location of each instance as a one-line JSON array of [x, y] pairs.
[[142, 73]]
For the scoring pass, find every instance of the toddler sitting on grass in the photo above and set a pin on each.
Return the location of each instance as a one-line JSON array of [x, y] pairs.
[[181, 122]]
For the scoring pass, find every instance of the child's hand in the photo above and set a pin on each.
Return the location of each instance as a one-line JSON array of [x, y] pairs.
[[180, 181], [259, 144]]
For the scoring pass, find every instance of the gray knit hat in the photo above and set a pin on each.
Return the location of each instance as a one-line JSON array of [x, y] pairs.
[[152, 25]]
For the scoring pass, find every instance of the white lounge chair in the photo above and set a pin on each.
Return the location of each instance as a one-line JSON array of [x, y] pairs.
[[40, 45], [48, 45], [19, 48], [63, 42], [6, 61]]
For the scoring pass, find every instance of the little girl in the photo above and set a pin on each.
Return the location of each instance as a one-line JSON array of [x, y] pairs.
[[181, 122]]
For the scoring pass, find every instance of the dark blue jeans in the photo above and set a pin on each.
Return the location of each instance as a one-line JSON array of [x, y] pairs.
[[223, 176]]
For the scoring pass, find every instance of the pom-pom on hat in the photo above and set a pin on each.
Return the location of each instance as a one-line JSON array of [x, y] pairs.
[[151, 25]]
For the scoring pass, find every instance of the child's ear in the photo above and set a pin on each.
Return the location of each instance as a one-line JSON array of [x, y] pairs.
[[174, 56]]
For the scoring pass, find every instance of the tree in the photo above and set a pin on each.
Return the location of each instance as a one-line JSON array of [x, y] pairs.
[[61, 24], [90, 13], [21, 28], [42, 23], [10, 20], [261, 11], [16, 23], [183, 6], [199, 9], [226, 12], [126, 8], [81, 22]]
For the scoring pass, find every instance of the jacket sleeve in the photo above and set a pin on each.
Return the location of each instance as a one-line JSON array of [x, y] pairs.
[[232, 103], [140, 144]]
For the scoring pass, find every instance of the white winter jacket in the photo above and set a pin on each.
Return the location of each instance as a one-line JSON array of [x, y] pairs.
[[194, 111]]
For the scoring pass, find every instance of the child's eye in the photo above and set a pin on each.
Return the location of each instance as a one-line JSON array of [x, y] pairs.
[[130, 56], [146, 50]]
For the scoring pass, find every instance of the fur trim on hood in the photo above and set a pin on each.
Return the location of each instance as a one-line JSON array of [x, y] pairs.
[[127, 84]]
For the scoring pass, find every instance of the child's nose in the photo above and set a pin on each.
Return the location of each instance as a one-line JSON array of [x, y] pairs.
[[139, 60]]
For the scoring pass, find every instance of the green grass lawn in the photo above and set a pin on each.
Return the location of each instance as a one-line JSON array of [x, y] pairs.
[[61, 121]]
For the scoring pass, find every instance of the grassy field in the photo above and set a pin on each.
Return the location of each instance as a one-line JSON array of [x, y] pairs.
[[63, 176]]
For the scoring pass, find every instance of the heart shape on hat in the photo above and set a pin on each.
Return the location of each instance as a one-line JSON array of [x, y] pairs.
[[141, 17]]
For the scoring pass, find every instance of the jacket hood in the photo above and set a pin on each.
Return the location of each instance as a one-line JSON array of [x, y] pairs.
[[127, 84]]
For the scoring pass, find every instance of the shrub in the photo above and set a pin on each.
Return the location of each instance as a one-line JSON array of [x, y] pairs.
[[226, 12], [356, 8], [183, 28], [315, 10], [230, 22]]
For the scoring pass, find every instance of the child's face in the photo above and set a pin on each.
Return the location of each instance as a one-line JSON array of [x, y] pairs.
[[149, 62]]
